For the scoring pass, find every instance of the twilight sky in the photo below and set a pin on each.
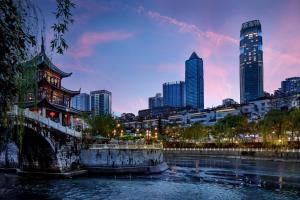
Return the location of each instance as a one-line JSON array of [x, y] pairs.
[[131, 47]]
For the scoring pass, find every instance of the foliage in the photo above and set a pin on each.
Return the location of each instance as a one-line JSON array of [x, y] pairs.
[[294, 122], [101, 125], [196, 131], [63, 15], [231, 126], [275, 122], [14, 42], [172, 131]]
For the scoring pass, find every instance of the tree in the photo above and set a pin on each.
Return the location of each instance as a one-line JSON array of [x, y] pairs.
[[231, 126], [101, 125], [172, 131], [196, 131], [294, 122], [276, 123]]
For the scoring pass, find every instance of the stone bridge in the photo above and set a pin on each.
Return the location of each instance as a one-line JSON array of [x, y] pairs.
[[46, 146]]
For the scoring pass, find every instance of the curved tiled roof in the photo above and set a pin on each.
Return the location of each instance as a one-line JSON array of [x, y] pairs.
[[42, 58], [73, 92]]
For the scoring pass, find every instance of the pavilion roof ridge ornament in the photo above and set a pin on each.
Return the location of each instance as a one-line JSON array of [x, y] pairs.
[[43, 58], [43, 46]]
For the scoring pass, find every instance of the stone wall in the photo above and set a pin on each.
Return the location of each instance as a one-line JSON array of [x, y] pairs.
[[120, 157], [274, 155], [9, 156], [49, 151]]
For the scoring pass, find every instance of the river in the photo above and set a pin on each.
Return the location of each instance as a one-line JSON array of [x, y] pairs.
[[207, 178]]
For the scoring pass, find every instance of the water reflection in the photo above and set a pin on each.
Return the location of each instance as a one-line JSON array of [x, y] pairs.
[[187, 179]]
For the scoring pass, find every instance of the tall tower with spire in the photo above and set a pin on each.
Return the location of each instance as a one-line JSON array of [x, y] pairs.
[[194, 82]]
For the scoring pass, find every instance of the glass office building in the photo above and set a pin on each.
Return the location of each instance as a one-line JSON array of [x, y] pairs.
[[251, 61], [81, 102], [174, 94], [194, 82], [101, 102]]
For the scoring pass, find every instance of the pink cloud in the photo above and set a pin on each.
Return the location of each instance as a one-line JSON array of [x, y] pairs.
[[84, 46], [216, 38], [218, 84]]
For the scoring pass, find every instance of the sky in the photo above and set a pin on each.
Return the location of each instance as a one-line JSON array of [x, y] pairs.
[[132, 47]]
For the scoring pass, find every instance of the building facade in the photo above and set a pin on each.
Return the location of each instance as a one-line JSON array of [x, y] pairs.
[[156, 101], [101, 102], [174, 94], [81, 102], [289, 86], [251, 61], [228, 102], [194, 82]]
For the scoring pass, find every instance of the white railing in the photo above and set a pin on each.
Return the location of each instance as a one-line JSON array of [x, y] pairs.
[[232, 149], [126, 146], [46, 121]]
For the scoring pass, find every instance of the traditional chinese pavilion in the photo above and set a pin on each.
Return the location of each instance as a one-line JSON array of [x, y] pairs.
[[52, 99]]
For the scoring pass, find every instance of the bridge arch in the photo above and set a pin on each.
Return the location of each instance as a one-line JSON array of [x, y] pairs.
[[37, 153], [47, 150]]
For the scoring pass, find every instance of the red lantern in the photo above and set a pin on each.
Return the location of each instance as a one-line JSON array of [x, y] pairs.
[[52, 114]]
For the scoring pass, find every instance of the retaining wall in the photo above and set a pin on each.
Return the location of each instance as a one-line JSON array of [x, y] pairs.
[[122, 160], [255, 154]]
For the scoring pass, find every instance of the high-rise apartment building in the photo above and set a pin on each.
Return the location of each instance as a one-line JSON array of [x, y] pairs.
[[101, 101], [289, 86]]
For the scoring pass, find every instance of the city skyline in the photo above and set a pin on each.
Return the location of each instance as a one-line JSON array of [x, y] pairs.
[[154, 46]]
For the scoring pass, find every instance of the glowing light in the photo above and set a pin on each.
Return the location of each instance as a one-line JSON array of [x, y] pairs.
[[52, 114]]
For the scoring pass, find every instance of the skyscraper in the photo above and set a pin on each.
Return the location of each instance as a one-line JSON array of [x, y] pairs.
[[156, 101], [174, 94], [194, 82], [101, 102], [81, 102], [251, 61]]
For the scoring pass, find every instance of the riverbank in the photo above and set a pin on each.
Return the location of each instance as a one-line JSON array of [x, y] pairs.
[[245, 154]]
